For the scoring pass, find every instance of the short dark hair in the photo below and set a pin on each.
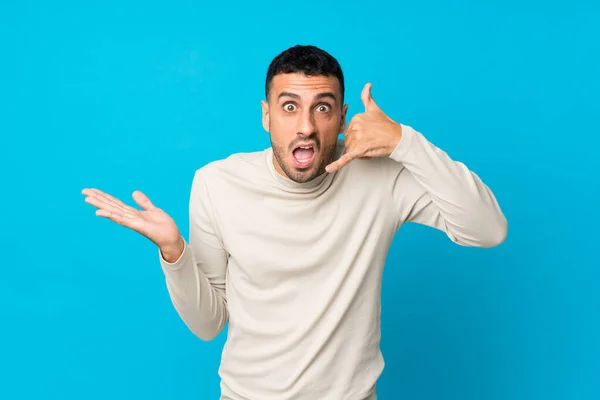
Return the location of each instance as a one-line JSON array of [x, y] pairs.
[[306, 59]]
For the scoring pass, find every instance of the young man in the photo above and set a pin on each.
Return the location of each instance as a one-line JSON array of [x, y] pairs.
[[288, 244]]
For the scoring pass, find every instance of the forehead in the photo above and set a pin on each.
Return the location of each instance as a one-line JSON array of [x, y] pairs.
[[304, 86]]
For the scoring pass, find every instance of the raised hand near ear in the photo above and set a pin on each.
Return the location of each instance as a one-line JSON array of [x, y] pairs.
[[369, 134]]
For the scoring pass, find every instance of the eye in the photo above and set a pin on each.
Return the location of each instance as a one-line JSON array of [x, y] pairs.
[[323, 108], [289, 107]]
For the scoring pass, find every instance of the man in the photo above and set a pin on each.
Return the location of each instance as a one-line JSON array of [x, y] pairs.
[[288, 244]]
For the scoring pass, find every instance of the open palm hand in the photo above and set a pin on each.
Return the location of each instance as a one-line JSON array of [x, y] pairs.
[[150, 221]]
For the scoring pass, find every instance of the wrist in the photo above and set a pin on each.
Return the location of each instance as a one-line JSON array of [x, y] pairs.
[[172, 252], [396, 137]]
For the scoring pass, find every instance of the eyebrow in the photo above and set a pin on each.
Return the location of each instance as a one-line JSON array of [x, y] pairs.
[[319, 96]]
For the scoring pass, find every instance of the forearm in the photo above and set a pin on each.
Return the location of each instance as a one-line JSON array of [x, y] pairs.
[[468, 208], [201, 306]]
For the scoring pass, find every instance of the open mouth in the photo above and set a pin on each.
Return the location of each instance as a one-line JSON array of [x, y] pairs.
[[303, 155]]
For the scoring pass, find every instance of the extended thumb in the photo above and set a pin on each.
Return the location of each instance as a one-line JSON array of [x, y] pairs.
[[366, 97]]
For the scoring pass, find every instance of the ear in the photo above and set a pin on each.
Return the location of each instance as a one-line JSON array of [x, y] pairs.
[[343, 119], [265, 115]]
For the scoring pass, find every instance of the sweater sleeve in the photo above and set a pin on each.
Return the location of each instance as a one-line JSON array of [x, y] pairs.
[[196, 281], [430, 188]]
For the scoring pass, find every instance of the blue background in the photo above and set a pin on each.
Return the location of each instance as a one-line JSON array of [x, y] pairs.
[[125, 96]]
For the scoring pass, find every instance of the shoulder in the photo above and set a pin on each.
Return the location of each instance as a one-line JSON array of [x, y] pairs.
[[222, 181], [237, 165]]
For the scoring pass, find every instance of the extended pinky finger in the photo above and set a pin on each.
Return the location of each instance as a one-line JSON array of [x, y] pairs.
[[341, 162]]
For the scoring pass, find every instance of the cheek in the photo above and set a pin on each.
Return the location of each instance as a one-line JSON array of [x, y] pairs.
[[281, 131], [329, 126]]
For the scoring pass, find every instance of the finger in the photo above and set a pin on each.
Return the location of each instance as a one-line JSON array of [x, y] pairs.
[[354, 123], [340, 162], [102, 200], [115, 217], [102, 204], [105, 196], [350, 131], [367, 98], [125, 219], [142, 200]]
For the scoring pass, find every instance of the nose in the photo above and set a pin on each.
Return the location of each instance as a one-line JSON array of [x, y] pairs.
[[306, 123]]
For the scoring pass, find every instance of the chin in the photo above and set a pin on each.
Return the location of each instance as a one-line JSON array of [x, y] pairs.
[[302, 175], [305, 162]]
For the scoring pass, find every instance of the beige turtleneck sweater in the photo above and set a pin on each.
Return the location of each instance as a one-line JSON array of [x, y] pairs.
[[295, 269]]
